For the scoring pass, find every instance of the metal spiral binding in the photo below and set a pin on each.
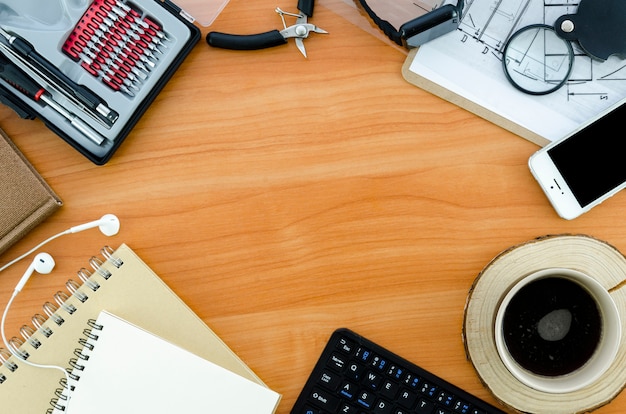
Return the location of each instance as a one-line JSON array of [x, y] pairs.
[[61, 298], [107, 253], [80, 355], [85, 276], [4, 359], [28, 332], [33, 336], [39, 320], [55, 405], [5, 354], [60, 396], [96, 264], [73, 286], [86, 342], [77, 364], [51, 309], [15, 344]]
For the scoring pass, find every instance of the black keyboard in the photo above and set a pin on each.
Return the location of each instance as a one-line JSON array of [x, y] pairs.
[[356, 376]]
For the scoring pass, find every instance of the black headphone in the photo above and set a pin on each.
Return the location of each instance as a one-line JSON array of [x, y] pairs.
[[422, 29]]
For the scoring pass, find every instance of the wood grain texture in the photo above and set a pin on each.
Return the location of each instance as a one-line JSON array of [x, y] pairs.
[[284, 197]]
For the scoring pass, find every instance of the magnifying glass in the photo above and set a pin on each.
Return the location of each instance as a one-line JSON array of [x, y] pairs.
[[536, 60]]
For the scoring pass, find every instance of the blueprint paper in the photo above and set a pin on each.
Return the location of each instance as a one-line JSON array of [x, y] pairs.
[[468, 62]]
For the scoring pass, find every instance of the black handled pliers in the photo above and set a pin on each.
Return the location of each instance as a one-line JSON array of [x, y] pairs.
[[298, 31]]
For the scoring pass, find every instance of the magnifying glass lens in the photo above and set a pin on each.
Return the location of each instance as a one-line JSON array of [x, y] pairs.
[[536, 60]]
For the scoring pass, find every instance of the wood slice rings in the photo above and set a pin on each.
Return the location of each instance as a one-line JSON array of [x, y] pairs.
[[581, 253]]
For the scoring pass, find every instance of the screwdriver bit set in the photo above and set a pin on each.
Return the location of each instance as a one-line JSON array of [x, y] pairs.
[[117, 44], [89, 69]]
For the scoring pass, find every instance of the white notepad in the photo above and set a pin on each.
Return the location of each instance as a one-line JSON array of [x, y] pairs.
[[124, 369]]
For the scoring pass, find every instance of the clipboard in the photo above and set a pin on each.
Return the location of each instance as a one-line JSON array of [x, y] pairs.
[[438, 90]]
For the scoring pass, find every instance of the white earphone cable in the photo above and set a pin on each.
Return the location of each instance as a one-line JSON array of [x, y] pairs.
[[48, 240], [111, 228], [20, 357]]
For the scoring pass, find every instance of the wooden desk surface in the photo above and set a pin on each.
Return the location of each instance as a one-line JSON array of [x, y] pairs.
[[284, 197]]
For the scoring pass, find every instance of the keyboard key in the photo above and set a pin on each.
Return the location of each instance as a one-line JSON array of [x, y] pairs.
[[373, 380], [461, 407], [407, 399], [346, 346], [311, 410], [355, 371], [347, 409], [325, 400], [424, 407], [428, 389], [379, 363], [389, 389], [337, 362], [348, 390], [445, 398], [411, 380], [330, 380], [363, 354], [356, 376], [382, 407], [366, 399], [395, 372]]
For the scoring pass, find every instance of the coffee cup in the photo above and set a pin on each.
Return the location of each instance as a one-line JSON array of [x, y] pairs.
[[557, 330]]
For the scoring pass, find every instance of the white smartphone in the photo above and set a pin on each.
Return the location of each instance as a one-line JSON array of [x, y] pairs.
[[582, 170]]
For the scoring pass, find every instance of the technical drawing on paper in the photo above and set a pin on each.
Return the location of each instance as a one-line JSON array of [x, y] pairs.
[[493, 25], [469, 63]]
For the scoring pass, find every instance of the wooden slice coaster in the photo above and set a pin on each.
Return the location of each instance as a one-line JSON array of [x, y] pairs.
[[583, 253]]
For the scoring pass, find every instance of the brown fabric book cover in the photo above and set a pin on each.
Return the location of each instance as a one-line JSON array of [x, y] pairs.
[[26, 198]]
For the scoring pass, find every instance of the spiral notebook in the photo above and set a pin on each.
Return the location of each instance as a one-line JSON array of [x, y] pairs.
[[120, 282], [153, 376]]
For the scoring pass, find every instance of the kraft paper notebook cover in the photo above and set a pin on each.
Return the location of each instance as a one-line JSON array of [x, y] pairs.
[[26, 198], [124, 285], [124, 369]]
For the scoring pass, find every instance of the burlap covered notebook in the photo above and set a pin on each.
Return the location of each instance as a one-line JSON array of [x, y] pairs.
[[26, 199]]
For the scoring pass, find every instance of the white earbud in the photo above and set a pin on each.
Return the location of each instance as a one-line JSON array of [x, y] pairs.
[[109, 225], [43, 264]]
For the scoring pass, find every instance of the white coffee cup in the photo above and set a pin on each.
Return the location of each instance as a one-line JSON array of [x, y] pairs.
[[555, 327]]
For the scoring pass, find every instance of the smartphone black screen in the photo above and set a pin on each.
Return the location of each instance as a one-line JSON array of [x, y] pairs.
[[592, 161]]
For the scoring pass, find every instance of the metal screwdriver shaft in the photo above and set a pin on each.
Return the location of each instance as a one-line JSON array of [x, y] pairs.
[[87, 98], [19, 80]]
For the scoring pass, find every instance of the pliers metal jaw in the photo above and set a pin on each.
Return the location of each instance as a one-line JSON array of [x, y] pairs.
[[298, 31]]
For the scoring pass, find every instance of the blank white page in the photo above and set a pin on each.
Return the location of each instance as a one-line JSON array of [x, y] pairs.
[[132, 371]]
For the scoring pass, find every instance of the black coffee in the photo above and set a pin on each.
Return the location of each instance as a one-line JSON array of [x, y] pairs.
[[552, 326]]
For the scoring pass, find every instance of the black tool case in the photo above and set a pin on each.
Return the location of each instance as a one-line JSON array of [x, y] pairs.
[[96, 65]]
